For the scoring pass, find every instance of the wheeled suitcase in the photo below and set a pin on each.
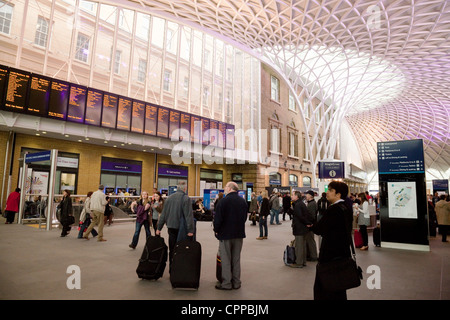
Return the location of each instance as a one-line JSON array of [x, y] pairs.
[[357, 237], [153, 259], [377, 236], [186, 265], [289, 255]]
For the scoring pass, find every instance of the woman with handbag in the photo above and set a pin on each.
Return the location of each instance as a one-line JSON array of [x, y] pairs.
[[335, 228], [141, 207], [157, 207], [363, 219], [66, 215]]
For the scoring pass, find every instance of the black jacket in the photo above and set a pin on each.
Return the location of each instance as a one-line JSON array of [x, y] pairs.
[[300, 219], [335, 229], [265, 208], [230, 217]]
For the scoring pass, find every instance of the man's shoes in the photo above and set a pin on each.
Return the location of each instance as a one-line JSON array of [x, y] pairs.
[[264, 237], [219, 287], [132, 246], [294, 265], [260, 238], [100, 240]]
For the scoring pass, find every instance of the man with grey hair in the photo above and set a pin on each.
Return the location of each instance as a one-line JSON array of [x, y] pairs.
[[97, 206], [176, 205], [229, 228]]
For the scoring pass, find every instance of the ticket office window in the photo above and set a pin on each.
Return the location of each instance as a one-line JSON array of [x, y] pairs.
[[171, 175], [211, 179], [121, 174]]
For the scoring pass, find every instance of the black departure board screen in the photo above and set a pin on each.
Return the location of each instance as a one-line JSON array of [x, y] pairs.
[[230, 137], [124, 113], [196, 129], [205, 131], [222, 132], [185, 126], [213, 132], [77, 103], [38, 95], [59, 97], [94, 102], [109, 110], [3, 80], [151, 118], [163, 123], [174, 125], [138, 116], [16, 90]]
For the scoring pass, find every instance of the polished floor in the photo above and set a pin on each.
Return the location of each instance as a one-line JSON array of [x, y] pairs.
[[35, 262]]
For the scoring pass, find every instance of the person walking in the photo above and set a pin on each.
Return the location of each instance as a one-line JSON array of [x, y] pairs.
[[141, 207], [253, 209], [287, 206], [177, 206], [335, 228], [12, 206], [264, 212], [275, 207], [312, 208], [97, 205], [363, 219], [301, 222], [65, 207], [443, 216], [322, 206], [157, 206], [229, 229], [85, 217]]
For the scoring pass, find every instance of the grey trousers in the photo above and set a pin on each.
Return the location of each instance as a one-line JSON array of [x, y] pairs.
[[230, 254], [300, 250]]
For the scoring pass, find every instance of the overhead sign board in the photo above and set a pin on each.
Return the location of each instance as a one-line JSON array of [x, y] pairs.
[[331, 170], [404, 156]]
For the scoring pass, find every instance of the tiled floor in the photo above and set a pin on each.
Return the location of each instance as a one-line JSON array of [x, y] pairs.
[[34, 266]]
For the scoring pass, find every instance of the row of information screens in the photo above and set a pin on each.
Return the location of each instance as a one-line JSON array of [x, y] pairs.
[[34, 94]]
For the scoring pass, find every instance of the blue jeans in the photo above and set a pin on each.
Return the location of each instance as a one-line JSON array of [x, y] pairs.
[[274, 212], [262, 225], [84, 226], [146, 225]]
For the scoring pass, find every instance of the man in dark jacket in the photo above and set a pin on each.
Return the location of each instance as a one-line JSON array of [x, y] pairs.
[[229, 228], [301, 221], [335, 229]]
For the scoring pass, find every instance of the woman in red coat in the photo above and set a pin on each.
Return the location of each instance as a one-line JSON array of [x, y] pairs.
[[12, 205]]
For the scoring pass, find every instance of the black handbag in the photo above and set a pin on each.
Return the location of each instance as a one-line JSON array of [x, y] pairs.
[[341, 273], [70, 220]]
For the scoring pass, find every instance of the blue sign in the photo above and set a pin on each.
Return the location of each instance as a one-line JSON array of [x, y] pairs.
[[404, 156], [37, 156], [331, 170], [440, 185], [209, 197]]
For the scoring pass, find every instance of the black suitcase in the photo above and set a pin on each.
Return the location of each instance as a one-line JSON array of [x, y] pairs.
[[186, 265], [289, 255], [153, 259], [377, 236]]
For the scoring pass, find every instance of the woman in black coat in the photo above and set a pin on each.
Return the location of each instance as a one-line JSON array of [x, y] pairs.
[[264, 211], [66, 210], [335, 229]]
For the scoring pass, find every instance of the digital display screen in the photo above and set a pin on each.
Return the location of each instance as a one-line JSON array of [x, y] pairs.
[[16, 90], [230, 137], [77, 104], [205, 131], [163, 123], [39, 95], [196, 129], [174, 124], [94, 102], [185, 125], [223, 132], [109, 111], [124, 114], [213, 132], [59, 97], [138, 116], [151, 118], [3, 80]]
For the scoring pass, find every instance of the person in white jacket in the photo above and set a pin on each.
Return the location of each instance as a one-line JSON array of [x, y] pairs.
[[363, 219], [97, 205]]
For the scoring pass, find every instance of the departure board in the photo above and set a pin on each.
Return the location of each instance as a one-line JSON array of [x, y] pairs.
[[213, 132], [138, 116], [109, 110], [196, 129], [185, 126], [77, 103], [174, 125], [16, 90], [3, 80], [230, 137], [38, 95], [151, 118], [205, 131], [163, 123], [59, 97], [124, 113], [223, 132], [93, 107]]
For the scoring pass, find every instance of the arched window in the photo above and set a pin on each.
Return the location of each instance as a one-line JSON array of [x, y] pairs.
[[306, 181], [275, 179], [293, 180]]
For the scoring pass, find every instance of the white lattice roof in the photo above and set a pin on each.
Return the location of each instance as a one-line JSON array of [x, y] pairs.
[[382, 65]]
